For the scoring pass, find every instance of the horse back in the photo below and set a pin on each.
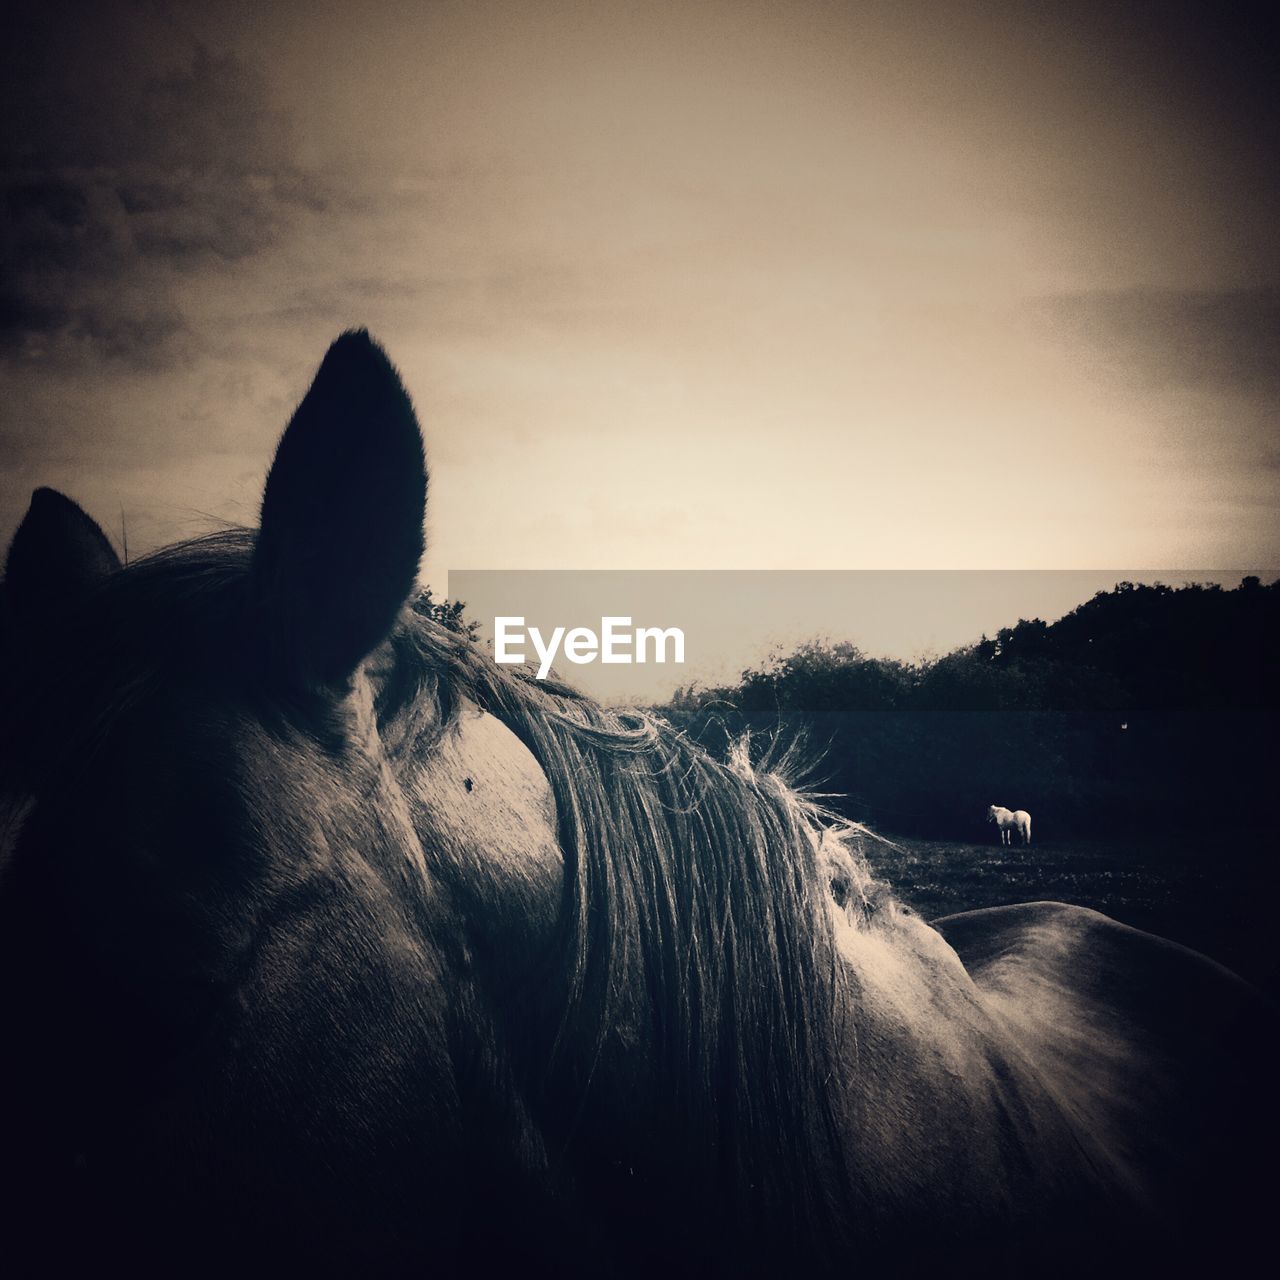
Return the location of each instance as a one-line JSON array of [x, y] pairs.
[[1154, 1051]]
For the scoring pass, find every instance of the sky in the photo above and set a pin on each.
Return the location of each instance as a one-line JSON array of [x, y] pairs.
[[802, 285]]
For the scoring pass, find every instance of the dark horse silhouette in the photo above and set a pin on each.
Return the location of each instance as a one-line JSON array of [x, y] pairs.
[[327, 944]]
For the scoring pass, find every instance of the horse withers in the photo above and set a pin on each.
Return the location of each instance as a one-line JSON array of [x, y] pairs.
[[1009, 821], [327, 944]]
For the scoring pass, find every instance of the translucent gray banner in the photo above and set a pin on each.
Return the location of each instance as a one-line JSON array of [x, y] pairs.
[[729, 621]]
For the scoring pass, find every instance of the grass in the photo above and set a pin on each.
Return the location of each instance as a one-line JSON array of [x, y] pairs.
[[1215, 894]]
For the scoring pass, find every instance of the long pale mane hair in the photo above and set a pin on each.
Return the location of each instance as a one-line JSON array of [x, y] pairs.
[[698, 894]]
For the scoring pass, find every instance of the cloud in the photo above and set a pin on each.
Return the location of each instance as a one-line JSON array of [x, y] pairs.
[[1212, 341], [113, 194], [1194, 375]]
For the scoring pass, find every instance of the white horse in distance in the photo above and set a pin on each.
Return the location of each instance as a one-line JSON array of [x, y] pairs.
[[1010, 820]]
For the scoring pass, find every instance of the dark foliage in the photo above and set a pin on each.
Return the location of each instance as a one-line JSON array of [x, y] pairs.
[[448, 613]]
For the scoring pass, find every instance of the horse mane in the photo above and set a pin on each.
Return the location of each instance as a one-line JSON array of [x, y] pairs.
[[697, 894], [697, 902]]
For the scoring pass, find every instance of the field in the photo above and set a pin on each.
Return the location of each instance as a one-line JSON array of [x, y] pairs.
[[1217, 895]]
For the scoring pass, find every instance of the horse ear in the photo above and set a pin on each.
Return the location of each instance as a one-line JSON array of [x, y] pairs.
[[57, 556], [341, 537]]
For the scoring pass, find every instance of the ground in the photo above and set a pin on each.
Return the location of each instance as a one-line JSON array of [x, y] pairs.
[[1213, 893]]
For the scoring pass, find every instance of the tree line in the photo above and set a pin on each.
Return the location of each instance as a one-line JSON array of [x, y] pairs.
[[1148, 708]]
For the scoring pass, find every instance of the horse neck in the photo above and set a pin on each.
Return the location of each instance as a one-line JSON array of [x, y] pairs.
[[924, 1041]]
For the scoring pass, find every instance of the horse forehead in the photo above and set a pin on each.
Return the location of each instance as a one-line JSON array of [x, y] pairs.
[[485, 774]]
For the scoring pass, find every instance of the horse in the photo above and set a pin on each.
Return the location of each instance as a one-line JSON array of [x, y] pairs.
[[1010, 820], [326, 943]]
